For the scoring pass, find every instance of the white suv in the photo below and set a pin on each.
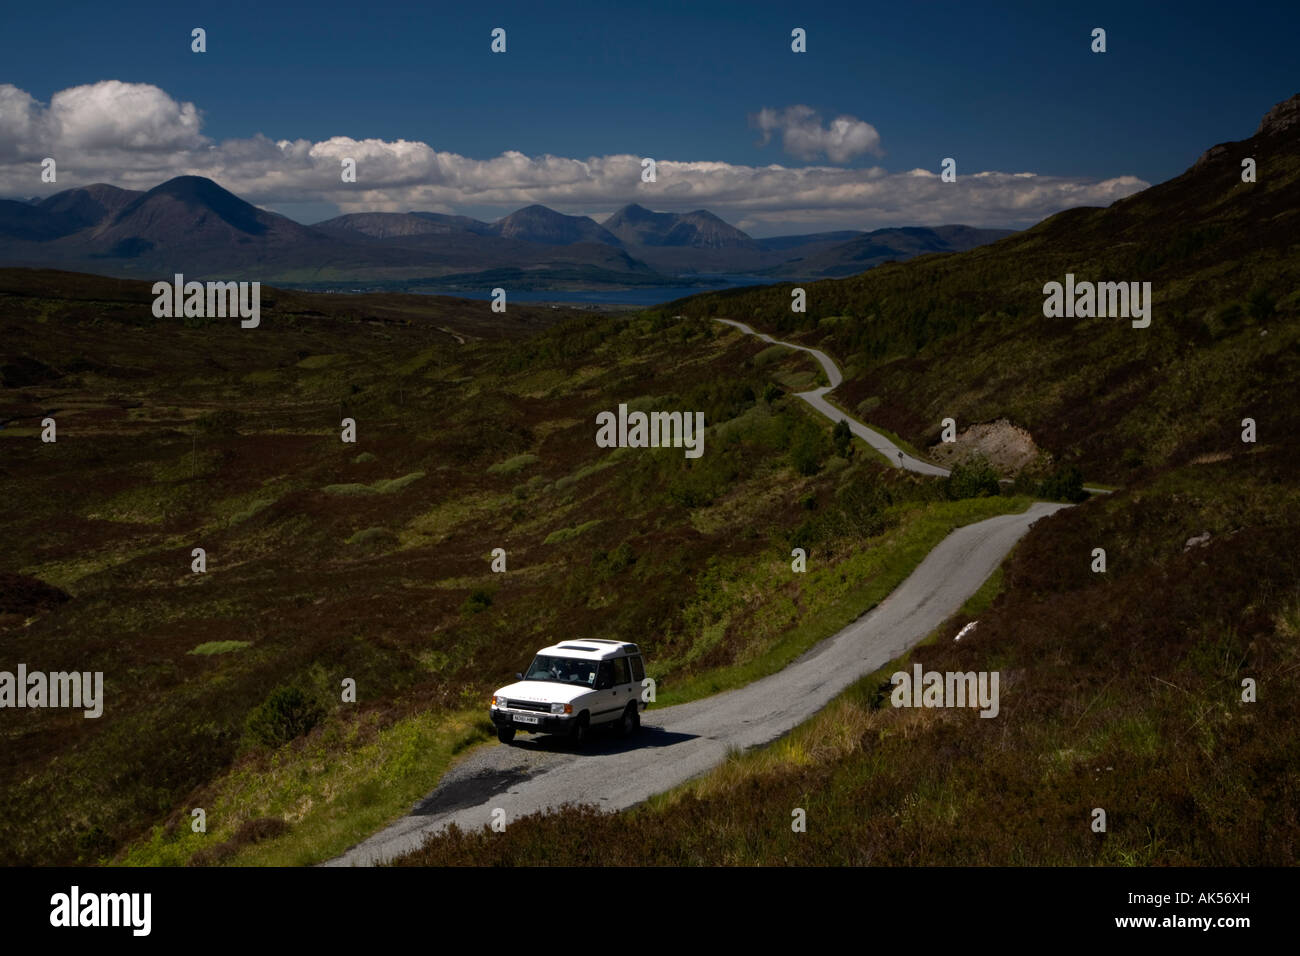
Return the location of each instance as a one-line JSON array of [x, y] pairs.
[[570, 688]]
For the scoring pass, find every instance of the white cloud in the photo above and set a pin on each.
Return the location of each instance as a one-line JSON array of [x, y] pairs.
[[125, 116], [136, 136], [803, 136]]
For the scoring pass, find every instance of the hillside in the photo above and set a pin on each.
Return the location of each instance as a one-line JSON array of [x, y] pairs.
[[1162, 688], [871, 249], [371, 560], [964, 336], [1120, 691]]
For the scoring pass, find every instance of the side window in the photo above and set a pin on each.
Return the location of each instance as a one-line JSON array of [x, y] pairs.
[[620, 671], [604, 676], [638, 668]]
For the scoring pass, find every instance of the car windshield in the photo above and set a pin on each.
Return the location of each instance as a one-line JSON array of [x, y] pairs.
[[564, 670]]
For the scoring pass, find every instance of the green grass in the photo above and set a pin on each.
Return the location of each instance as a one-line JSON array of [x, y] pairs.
[[334, 789], [513, 465], [375, 536], [385, 486], [982, 600], [880, 568], [567, 534], [586, 471], [220, 647], [320, 361]]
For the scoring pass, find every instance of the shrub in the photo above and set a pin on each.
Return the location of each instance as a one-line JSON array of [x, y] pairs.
[[808, 449], [972, 479], [285, 715], [478, 601], [842, 439], [1064, 484], [606, 564]]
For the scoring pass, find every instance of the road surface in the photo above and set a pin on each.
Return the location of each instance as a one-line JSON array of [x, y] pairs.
[[816, 398]]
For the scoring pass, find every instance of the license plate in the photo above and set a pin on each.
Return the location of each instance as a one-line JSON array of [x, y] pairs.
[[525, 719]]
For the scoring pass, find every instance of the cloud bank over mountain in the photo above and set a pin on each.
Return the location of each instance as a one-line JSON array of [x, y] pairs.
[[134, 135]]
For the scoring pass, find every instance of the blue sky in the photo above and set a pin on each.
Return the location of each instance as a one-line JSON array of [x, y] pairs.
[[1010, 87]]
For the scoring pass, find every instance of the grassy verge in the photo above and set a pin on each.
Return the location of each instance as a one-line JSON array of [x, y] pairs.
[[878, 569], [323, 795]]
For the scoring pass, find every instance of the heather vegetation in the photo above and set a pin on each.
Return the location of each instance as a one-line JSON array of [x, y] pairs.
[[1120, 690], [1160, 688], [372, 561], [964, 335]]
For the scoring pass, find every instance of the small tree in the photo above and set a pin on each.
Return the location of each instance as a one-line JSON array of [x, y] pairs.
[[842, 439]]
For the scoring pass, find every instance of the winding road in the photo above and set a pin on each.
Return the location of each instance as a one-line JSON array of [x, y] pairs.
[[684, 741], [816, 398]]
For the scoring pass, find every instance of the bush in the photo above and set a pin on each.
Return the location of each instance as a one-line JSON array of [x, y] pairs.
[[478, 601], [842, 439], [606, 564], [285, 715], [972, 479], [808, 449], [1064, 484]]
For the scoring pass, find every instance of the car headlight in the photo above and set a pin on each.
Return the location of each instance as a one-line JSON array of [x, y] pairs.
[[561, 708], [499, 701]]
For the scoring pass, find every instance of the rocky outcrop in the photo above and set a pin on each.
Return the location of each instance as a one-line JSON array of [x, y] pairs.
[[1008, 448]]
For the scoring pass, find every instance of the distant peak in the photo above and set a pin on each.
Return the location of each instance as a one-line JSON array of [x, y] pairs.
[[187, 181]]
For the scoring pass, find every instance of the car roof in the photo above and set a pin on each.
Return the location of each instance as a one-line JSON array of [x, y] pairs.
[[590, 649]]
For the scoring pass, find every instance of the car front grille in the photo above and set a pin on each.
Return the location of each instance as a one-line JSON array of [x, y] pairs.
[[528, 705]]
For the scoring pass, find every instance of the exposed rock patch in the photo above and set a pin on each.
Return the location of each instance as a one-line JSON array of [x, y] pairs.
[[1008, 448]]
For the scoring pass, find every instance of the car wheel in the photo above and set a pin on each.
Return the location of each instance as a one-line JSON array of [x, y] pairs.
[[631, 721], [506, 734], [581, 731]]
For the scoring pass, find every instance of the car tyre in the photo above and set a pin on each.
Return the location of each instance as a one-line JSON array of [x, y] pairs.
[[581, 731], [631, 721], [506, 735]]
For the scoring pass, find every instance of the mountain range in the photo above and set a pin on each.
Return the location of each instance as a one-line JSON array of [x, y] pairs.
[[192, 225]]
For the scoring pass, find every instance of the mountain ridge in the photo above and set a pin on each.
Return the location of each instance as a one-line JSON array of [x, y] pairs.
[[193, 225]]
